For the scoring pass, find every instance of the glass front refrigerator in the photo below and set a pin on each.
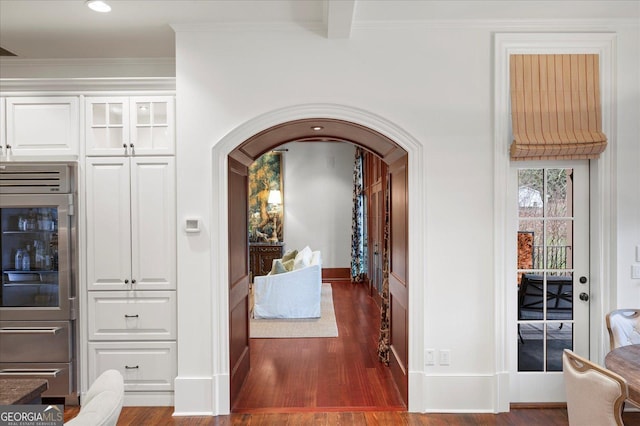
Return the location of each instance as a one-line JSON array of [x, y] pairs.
[[38, 288]]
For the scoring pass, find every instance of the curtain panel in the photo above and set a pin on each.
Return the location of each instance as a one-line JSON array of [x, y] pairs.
[[358, 259], [384, 343]]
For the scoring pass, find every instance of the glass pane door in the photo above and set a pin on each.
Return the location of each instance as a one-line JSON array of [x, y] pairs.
[[545, 271], [29, 247]]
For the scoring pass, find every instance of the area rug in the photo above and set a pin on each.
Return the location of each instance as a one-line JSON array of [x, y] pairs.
[[280, 328]]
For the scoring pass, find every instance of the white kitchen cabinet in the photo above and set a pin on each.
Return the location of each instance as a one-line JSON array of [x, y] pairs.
[[131, 230], [130, 126], [132, 315], [46, 127], [145, 366]]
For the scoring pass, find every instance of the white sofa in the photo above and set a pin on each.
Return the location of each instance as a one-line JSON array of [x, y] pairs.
[[293, 294]]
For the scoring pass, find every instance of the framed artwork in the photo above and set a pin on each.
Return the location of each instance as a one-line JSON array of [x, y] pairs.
[[266, 199]]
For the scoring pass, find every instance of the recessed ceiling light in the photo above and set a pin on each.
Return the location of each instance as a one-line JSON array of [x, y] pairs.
[[98, 6], [317, 128]]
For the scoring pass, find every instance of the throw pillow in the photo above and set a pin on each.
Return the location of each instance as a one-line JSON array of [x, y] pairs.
[[288, 265], [303, 258], [289, 254], [277, 267]]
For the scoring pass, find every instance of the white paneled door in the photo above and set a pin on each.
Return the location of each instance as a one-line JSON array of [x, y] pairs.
[[549, 292]]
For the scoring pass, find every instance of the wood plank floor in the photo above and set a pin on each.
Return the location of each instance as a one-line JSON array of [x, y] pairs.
[[331, 381], [323, 374], [156, 416]]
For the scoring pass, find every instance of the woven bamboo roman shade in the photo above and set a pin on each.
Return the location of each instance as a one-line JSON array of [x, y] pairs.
[[555, 107]]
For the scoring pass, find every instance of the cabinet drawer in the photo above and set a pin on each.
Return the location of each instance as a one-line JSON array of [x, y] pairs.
[[132, 315], [145, 366], [23, 341], [59, 375]]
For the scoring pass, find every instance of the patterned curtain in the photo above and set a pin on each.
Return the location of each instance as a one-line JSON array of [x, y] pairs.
[[383, 340], [358, 259]]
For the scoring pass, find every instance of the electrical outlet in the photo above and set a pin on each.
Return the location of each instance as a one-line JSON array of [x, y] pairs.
[[429, 357], [445, 357]]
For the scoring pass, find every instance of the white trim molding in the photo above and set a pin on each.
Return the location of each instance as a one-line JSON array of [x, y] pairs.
[[601, 193], [219, 248]]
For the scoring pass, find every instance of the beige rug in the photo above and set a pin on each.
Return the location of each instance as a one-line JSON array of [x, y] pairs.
[[280, 328]]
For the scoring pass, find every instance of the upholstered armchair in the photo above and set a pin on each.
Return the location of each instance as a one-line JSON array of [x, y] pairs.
[[624, 327], [595, 395]]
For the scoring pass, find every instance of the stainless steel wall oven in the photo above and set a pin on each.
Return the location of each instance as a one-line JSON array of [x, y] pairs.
[[39, 280]]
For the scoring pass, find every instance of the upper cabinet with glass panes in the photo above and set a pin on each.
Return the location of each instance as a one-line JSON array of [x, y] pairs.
[[137, 125]]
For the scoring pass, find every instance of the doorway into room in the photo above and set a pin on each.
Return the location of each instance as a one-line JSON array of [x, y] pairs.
[[311, 130]]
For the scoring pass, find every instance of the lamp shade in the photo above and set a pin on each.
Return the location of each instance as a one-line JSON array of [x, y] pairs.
[[275, 197]]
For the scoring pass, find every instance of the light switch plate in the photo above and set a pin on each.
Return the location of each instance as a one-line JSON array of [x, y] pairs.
[[445, 357], [635, 272], [429, 357]]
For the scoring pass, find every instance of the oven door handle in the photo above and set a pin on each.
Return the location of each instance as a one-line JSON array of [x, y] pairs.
[[9, 372], [30, 330]]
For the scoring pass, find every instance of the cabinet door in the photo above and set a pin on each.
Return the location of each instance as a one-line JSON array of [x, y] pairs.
[[107, 126], [43, 126], [152, 125], [153, 223], [108, 224]]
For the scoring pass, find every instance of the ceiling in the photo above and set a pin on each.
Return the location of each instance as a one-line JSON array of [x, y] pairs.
[[50, 29]]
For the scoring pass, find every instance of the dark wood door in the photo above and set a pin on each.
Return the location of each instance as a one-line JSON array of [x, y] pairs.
[[375, 186], [398, 268], [238, 275]]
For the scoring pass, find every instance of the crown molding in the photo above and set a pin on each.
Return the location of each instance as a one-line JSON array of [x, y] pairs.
[[84, 85], [249, 26], [504, 24], [15, 61]]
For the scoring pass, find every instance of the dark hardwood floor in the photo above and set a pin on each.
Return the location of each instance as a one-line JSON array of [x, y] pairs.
[[155, 416], [323, 374], [331, 381]]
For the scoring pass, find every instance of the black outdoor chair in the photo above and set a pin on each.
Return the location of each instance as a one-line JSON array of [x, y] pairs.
[[559, 296]]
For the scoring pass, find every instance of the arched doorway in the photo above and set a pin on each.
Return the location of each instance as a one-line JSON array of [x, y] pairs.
[[322, 123], [316, 129]]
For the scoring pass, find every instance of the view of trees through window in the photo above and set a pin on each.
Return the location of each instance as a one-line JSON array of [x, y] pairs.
[[546, 209]]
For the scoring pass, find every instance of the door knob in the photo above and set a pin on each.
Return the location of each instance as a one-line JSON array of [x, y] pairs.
[[583, 280], [584, 297]]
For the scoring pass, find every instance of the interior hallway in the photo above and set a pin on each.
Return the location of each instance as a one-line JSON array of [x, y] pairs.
[[323, 374]]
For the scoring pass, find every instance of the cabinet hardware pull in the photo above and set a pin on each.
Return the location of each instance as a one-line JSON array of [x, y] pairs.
[[124, 145], [8, 146], [131, 368], [133, 281], [30, 330], [131, 316], [130, 145], [126, 281], [8, 372]]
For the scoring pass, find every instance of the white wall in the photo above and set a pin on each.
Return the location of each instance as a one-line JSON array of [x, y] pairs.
[[318, 181], [435, 82], [434, 79]]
